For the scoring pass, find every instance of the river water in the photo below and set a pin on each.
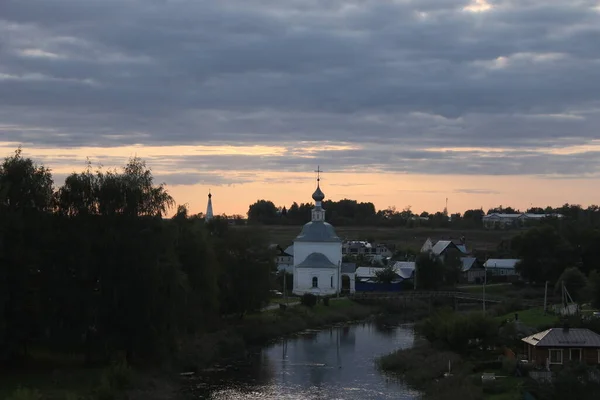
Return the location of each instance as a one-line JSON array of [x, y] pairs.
[[330, 364]]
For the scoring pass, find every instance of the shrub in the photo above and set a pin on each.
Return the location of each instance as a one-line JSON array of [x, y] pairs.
[[509, 365], [326, 301], [308, 300], [114, 380], [25, 394]]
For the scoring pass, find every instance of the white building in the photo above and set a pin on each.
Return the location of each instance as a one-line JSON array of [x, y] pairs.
[[501, 266], [285, 260], [505, 221], [318, 256]]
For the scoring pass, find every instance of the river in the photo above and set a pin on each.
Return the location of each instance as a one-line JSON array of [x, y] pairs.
[[330, 364]]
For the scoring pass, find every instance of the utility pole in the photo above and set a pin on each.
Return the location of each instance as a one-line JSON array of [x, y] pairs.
[[339, 278], [546, 298], [284, 285], [484, 284], [415, 277]]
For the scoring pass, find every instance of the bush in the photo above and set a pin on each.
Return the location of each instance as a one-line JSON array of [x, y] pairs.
[[308, 300], [115, 380], [326, 301], [509, 365], [25, 394]]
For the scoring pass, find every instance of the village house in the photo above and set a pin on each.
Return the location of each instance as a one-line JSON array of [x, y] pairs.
[[370, 250], [442, 247], [506, 221], [472, 270], [502, 266], [285, 259], [560, 346]]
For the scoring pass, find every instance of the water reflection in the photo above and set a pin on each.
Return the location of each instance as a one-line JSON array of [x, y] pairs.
[[335, 363]]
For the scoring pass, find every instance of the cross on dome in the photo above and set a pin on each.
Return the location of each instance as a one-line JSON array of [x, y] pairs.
[[318, 195]]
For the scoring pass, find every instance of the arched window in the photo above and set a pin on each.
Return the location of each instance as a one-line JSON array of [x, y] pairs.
[[315, 282]]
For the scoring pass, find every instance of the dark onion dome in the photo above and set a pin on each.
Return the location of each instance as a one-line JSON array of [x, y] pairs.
[[318, 194], [317, 231]]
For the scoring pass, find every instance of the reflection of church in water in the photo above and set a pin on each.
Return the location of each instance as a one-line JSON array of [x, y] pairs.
[[321, 353]]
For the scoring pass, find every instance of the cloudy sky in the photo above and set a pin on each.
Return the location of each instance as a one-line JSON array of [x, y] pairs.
[[402, 102]]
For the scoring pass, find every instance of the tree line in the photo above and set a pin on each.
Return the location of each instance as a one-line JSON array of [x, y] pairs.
[[92, 267], [347, 212]]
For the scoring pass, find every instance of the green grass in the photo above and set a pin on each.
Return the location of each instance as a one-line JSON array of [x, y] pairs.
[[477, 239], [281, 300], [533, 317], [509, 388], [491, 289], [56, 384]]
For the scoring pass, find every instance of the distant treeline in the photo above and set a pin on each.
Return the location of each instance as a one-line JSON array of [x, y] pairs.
[[350, 212], [93, 268]]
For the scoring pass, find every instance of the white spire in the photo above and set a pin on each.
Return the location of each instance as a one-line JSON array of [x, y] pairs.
[[209, 210]]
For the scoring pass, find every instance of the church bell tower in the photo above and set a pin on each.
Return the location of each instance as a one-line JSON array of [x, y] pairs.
[[318, 213], [209, 210]]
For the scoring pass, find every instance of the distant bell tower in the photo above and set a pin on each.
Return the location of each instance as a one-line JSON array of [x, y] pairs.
[[318, 213], [209, 210]]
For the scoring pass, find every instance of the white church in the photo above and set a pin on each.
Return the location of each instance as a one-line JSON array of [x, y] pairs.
[[317, 251]]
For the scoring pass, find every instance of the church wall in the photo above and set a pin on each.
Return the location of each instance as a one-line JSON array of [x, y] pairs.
[[303, 279]]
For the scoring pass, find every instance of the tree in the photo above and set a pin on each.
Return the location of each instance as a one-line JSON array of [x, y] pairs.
[[452, 266], [386, 275], [262, 211], [78, 195], [25, 184], [574, 281], [544, 254], [247, 266], [594, 281], [429, 271]]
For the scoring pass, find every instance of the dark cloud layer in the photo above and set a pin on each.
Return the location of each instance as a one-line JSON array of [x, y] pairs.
[[395, 78]]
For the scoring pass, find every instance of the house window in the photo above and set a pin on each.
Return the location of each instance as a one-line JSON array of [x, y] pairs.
[[315, 282], [575, 355], [556, 356], [332, 281]]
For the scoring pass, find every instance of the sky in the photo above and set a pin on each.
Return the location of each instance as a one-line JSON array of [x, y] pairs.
[[400, 102]]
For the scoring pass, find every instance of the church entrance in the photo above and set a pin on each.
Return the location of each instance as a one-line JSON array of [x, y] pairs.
[[345, 284]]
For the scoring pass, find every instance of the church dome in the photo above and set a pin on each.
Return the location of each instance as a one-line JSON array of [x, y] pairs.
[[317, 231], [318, 194]]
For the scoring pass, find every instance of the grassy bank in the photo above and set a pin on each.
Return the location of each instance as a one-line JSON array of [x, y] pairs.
[[464, 380], [429, 376], [63, 378]]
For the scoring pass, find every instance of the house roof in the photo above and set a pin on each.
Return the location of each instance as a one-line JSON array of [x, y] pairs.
[[501, 263], [316, 260], [462, 248], [404, 269], [348, 268], [560, 337], [317, 231], [443, 245], [289, 250], [468, 263]]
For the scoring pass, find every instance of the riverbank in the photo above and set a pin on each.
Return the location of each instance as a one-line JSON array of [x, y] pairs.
[[68, 380]]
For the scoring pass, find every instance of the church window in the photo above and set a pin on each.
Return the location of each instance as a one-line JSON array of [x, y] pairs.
[[315, 282], [332, 281]]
